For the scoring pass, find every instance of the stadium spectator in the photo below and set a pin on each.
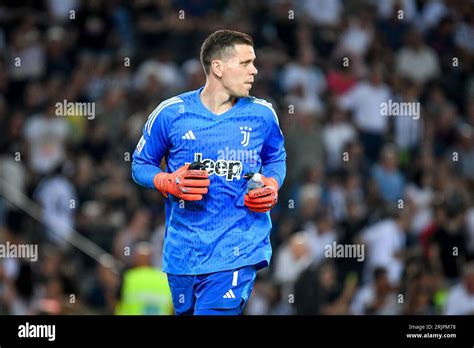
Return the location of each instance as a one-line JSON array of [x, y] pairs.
[[460, 300], [125, 58], [144, 289]]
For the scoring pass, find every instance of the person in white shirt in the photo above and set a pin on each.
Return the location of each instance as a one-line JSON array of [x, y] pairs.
[[47, 135], [58, 198], [408, 127], [365, 100], [385, 243], [319, 235], [460, 300], [304, 82], [357, 37], [322, 12], [292, 258], [376, 297], [417, 61]]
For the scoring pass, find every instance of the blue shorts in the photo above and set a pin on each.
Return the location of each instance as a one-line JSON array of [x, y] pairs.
[[220, 293]]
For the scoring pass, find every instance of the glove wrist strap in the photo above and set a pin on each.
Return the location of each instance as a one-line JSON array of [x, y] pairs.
[[161, 181]]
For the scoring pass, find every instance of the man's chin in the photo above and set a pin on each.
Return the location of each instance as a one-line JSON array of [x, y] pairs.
[[242, 93], [245, 93]]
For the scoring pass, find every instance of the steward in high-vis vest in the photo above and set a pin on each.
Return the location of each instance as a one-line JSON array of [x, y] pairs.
[[145, 289]]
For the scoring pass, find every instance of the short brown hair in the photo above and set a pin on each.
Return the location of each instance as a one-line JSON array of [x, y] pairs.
[[218, 42]]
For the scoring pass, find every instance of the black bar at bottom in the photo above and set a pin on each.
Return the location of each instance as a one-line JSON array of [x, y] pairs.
[[139, 330]]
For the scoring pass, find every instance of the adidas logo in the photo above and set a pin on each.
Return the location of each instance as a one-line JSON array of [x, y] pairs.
[[189, 135], [229, 294]]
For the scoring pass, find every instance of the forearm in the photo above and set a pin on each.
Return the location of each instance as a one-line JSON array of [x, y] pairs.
[[144, 173], [276, 170]]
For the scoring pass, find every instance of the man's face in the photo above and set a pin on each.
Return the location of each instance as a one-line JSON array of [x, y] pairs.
[[239, 71]]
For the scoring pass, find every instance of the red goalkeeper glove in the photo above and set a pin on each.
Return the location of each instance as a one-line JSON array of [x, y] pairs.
[[186, 184], [263, 199]]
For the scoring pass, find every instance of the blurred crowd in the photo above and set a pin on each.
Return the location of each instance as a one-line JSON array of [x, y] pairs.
[[401, 185]]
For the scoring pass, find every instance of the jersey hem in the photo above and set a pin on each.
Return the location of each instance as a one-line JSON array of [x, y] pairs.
[[262, 263]]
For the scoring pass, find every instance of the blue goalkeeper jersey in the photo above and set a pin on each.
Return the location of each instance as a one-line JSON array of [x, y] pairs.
[[218, 232]]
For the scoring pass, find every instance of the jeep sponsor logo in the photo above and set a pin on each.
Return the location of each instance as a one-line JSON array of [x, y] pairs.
[[221, 167]]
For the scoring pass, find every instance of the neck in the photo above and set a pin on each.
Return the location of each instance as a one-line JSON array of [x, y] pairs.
[[217, 100]]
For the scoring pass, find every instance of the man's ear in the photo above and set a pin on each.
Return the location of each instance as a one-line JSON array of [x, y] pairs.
[[217, 67]]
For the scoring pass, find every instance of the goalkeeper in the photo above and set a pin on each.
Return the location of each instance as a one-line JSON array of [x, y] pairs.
[[217, 234]]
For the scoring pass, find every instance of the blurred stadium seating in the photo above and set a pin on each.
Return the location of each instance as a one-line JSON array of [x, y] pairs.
[[401, 185]]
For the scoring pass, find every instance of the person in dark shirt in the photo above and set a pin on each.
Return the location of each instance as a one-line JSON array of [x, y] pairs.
[[448, 239]]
